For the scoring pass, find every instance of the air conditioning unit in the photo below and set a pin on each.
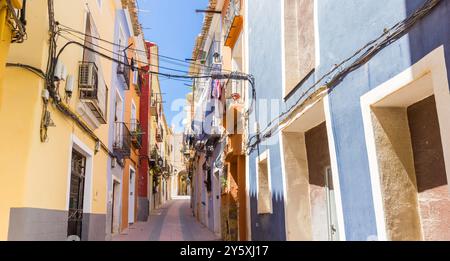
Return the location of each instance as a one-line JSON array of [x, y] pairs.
[[88, 76]]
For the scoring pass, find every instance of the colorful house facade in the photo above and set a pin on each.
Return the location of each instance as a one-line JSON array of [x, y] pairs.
[[344, 127], [73, 93], [56, 189], [219, 170], [354, 157], [119, 138]]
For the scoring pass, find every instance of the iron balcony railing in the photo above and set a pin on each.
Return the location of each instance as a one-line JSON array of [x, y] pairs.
[[125, 70], [136, 133], [231, 13], [122, 140]]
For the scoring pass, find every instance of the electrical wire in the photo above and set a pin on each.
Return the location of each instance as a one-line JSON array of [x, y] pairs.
[[122, 56], [125, 64], [30, 68], [360, 57], [188, 64], [51, 63], [54, 29]]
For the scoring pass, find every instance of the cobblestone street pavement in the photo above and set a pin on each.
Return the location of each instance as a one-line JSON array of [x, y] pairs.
[[172, 222]]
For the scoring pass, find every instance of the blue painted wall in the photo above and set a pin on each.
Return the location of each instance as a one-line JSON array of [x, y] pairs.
[[265, 65], [341, 34], [117, 83], [344, 27]]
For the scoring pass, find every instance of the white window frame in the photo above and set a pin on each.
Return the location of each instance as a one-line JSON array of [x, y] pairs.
[[265, 156], [120, 118], [133, 115], [433, 63], [135, 72], [333, 161]]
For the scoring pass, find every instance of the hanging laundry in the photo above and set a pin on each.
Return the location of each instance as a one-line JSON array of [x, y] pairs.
[[219, 87], [216, 89]]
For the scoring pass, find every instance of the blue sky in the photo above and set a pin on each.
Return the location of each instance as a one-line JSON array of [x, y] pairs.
[[173, 25]]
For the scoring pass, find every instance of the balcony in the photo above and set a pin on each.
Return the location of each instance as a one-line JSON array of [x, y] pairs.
[[234, 146], [125, 70], [211, 143], [122, 140], [159, 134], [154, 155], [93, 92], [233, 22], [136, 133]]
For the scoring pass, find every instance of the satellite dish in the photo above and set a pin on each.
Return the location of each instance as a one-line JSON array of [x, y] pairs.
[[73, 238]]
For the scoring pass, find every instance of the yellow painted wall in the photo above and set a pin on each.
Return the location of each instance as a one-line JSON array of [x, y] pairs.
[[125, 193], [35, 174]]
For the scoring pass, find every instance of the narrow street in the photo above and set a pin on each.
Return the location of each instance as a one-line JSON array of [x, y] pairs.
[[224, 120], [172, 222]]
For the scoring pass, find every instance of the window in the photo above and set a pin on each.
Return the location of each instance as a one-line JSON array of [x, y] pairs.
[[121, 42], [133, 117], [299, 41], [94, 93], [118, 110], [135, 76], [264, 185]]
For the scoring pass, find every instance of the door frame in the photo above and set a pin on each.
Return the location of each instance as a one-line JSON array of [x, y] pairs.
[[331, 205], [131, 198], [216, 200], [119, 204], [325, 102], [84, 150]]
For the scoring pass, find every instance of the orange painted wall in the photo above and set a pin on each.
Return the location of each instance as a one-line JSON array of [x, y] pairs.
[[130, 96]]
